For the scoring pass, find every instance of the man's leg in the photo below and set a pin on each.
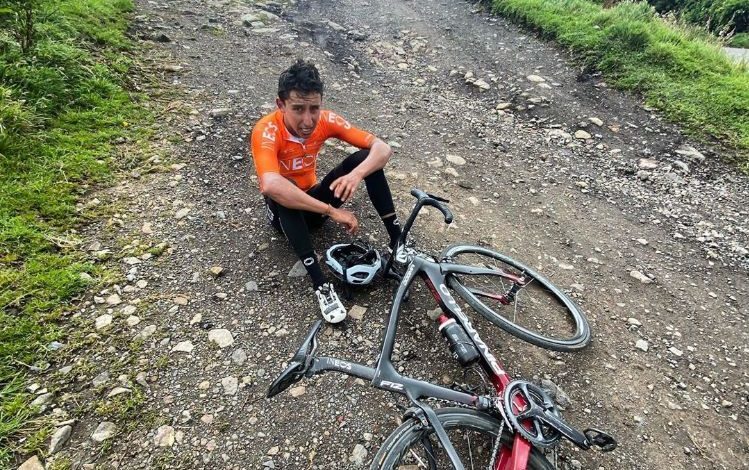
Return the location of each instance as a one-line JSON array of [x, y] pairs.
[[291, 222], [377, 188]]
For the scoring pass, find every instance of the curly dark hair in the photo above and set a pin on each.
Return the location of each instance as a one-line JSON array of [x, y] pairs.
[[302, 77]]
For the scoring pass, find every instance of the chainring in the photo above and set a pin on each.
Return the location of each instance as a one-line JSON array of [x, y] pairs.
[[525, 405]]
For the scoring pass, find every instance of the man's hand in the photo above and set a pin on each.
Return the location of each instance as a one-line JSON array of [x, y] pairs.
[[345, 218], [344, 187]]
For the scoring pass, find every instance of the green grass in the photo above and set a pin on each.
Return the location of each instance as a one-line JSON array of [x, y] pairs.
[[62, 106], [740, 40], [678, 70]]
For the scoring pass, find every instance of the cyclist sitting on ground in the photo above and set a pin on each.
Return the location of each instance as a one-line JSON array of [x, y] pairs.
[[285, 145]]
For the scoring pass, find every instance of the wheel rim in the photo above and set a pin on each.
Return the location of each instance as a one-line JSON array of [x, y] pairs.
[[538, 312]]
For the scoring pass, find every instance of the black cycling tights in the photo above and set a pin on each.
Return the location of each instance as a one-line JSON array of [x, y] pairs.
[[296, 223]]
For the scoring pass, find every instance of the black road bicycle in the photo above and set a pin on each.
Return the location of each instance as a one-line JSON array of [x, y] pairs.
[[504, 429]]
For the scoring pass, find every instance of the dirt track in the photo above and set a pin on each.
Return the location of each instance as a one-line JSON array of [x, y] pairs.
[[430, 77]]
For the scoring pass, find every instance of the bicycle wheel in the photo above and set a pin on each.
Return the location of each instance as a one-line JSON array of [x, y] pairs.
[[539, 312], [413, 446]]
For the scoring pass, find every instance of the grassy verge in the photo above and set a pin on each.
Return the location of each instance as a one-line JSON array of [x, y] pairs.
[[678, 70], [63, 105]]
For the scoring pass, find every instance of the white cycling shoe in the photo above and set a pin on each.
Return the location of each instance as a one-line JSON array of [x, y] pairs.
[[331, 307]]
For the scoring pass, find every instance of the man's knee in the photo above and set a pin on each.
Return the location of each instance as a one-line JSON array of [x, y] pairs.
[[356, 158]]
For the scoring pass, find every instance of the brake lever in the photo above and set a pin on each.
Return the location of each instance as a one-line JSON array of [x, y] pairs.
[[437, 198]]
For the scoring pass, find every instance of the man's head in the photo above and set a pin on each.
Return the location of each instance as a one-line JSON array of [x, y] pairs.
[[300, 98]]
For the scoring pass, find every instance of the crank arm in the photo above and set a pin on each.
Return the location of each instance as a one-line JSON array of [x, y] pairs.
[[572, 434]]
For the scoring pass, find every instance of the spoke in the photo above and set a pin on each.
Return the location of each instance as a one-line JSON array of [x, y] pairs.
[[419, 462], [470, 451]]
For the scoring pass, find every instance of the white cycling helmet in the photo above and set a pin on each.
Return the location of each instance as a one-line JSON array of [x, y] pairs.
[[354, 263]]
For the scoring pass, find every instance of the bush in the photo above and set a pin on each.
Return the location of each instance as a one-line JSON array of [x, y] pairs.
[[720, 16]]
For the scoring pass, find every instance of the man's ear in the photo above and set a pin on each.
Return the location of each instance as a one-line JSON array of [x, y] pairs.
[[281, 105]]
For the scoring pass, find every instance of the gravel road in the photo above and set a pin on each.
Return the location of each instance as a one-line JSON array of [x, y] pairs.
[[646, 229]]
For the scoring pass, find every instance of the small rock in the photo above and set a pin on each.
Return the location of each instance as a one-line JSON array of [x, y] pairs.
[[239, 357], [43, 400], [298, 270], [164, 436], [358, 455], [567, 267], [335, 26], [100, 379], [183, 346], [132, 320], [182, 213], [118, 391], [251, 286], [675, 351], [104, 431], [634, 322], [691, 153], [642, 345], [681, 165], [180, 300], [147, 229], [216, 271], [503, 106], [141, 379], [114, 299], [357, 312], [146, 332], [596, 121], [297, 391], [103, 321], [230, 384], [455, 159], [647, 164], [221, 337], [59, 438], [219, 112], [32, 464], [129, 310], [535, 79], [582, 135], [640, 277], [642, 241]]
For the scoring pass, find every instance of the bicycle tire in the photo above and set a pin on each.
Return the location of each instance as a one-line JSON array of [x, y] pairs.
[[392, 452], [579, 340]]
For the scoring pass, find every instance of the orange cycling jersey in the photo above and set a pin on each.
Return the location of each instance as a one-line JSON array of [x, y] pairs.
[[275, 149]]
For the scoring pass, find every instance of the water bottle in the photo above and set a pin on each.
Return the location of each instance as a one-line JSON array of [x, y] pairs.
[[461, 345]]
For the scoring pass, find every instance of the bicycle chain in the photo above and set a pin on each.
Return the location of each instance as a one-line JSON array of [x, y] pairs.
[[495, 451]]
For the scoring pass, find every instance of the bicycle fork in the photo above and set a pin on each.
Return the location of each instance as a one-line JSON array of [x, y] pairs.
[[428, 418]]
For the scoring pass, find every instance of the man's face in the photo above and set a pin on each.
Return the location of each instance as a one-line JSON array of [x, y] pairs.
[[300, 112]]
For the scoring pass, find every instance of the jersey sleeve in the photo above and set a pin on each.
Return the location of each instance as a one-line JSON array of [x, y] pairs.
[[264, 144], [340, 128]]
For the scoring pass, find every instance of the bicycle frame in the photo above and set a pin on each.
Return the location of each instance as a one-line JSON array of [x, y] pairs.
[[385, 377]]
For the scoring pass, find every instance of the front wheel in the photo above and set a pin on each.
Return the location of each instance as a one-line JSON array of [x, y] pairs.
[[473, 434], [518, 299]]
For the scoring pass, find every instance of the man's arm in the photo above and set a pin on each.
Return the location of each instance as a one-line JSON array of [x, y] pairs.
[[345, 186], [285, 193]]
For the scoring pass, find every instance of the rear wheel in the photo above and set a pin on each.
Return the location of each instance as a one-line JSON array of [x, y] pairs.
[[473, 434], [533, 309]]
